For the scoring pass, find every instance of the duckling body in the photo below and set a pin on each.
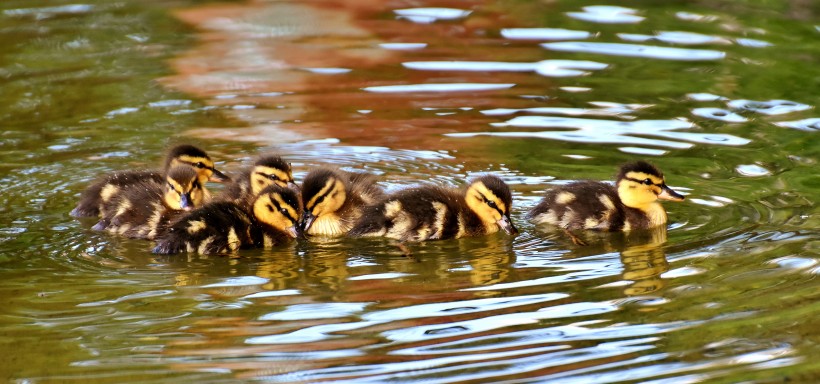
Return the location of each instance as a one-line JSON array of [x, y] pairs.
[[143, 209], [632, 203], [431, 212], [264, 220], [334, 200], [106, 188], [266, 170]]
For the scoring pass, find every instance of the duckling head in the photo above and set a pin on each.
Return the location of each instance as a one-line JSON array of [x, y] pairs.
[[183, 190], [323, 193], [278, 207], [490, 198], [195, 157], [268, 170], [641, 184]]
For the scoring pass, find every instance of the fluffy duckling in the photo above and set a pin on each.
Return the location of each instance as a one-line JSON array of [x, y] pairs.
[[632, 203], [264, 220], [430, 212], [266, 170], [144, 209], [105, 188], [334, 200]]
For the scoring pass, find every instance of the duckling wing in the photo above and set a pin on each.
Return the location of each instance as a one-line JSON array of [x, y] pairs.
[[238, 188], [135, 207], [580, 205], [217, 227], [411, 215], [105, 188], [363, 186]]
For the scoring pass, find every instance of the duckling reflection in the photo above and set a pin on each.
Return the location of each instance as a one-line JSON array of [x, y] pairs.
[[644, 261]]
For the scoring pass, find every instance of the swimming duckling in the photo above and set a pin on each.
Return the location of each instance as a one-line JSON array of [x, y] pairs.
[[105, 188], [144, 209], [431, 212], [630, 204], [266, 170], [264, 220], [334, 200]]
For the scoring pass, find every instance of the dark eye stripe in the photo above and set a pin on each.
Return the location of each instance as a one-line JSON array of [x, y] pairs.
[[195, 165], [488, 201], [279, 208]]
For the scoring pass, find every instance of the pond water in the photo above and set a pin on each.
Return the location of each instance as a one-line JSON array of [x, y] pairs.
[[721, 95]]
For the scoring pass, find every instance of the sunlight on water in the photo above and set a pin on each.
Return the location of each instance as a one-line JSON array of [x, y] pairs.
[[634, 50]]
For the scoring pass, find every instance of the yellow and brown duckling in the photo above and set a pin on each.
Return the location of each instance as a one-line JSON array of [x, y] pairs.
[[632, 203], [334, 200], [105, 188], [142, 210], [266, 170], [264, 220], [431, 212]]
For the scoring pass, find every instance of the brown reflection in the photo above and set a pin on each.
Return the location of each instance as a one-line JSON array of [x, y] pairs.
[[256, 61], [644, 261]]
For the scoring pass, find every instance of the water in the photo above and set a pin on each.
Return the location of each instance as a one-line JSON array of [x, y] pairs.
[[721, 96]]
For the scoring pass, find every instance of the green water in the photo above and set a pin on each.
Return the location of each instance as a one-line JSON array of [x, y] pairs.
[[727, 293]]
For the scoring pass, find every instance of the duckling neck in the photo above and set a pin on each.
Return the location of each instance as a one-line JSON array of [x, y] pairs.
[[328, 224], [647, 216]]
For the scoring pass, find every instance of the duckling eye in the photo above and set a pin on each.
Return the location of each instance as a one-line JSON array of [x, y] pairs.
[[273, 177], [283, 211], [647, 182], [199, 164], [492, 204]]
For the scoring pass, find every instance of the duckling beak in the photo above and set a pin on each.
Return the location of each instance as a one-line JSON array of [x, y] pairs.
[[668, 194], [506, 224], [218, 177], [292, 231], [185, 202], [306, 221]]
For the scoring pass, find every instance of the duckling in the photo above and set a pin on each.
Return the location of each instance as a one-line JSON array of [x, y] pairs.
[[632, 203], [431, 212], [264, 220], [266, 170], [144, 209], [334, 200], [105, 188]]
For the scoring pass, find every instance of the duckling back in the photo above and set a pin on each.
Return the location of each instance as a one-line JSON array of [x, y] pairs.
[[417, 214], [431, 212], [107, 187]]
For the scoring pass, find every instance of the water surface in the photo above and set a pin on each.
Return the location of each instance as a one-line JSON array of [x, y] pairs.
[[721, 96]]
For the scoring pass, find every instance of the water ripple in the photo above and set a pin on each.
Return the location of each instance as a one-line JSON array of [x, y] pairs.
[[608, 131], [634, 50], [543, 34], [607, 14], [430, 15]]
